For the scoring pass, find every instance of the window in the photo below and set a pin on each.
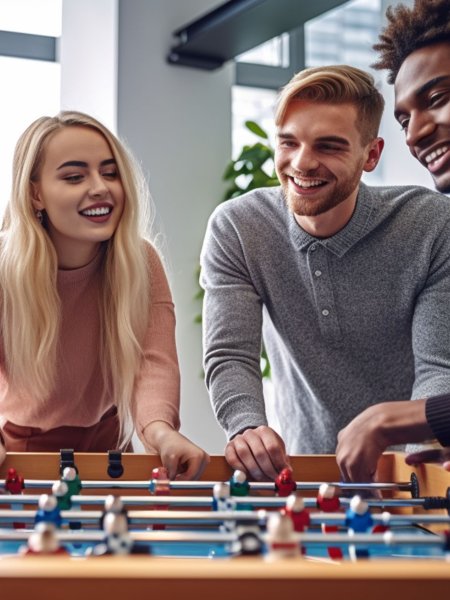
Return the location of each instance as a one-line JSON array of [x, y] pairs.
[[29, 16], [30, 88], [343, 35], [274, 53]]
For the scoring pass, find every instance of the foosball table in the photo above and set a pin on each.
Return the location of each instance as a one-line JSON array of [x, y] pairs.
[[183, 541]]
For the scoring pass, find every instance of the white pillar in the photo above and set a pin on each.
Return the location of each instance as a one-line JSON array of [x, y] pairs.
[[177, 121]]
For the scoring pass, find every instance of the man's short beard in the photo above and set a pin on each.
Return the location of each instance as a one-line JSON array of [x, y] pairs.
[[310, 208]]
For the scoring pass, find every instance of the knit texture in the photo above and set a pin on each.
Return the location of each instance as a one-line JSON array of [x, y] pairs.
[[78, 398], [350, 321]]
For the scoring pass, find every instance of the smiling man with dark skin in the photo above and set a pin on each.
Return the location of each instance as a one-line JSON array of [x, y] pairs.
[[415, 49]]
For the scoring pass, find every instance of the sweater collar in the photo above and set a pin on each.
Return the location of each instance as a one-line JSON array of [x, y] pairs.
[[71, 276], [347, 237]]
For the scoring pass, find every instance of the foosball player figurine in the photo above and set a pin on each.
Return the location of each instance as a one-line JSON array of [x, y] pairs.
[[328, 501], [328, 498], [358, 520], [43, 541], [70, 476], [71, 479], [281, 539], [160, 486], [113, 505], [48, 511], [60, 491], [249, 542], [117, 537], [221, 500], [285, 483], [160, 481], [295, 509], [384, 525], [14, 483], [239, 486], [118, 540]]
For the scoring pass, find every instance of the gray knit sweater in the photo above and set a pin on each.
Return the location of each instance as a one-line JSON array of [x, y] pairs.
[[349, 321]]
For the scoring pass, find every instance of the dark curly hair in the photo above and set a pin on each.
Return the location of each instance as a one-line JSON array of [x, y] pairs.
[[409, 29]]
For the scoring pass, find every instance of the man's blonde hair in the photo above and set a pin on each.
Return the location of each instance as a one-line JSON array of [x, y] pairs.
[[336, 84]]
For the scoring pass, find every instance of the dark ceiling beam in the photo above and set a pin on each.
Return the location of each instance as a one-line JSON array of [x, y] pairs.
[[239, 25]]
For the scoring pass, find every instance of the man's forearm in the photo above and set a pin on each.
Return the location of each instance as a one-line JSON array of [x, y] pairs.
[[404, 422], [437, 411]]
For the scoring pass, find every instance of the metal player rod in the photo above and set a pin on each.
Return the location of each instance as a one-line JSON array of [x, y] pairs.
[[198, 518], [144, 536], [369, 539], [203, 501], [208, 485], [365, 539]]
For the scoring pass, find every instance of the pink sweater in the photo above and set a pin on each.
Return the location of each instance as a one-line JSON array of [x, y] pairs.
[[77, 397]]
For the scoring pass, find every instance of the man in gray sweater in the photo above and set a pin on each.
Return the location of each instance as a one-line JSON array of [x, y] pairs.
[[349, 286]]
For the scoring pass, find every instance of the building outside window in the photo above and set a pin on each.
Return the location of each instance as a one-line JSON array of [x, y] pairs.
[[344, 35]]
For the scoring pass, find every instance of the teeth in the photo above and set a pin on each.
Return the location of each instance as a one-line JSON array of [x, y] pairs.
[[307, 183], [433, 155], [96, 212]]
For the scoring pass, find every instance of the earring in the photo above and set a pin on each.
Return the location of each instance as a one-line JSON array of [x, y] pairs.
[[39, 216]]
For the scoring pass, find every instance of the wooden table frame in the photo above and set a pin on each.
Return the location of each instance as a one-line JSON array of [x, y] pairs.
[[140, 577]]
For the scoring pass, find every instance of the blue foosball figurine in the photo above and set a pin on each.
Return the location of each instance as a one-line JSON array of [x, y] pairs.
[[48, 511], [358, 520]]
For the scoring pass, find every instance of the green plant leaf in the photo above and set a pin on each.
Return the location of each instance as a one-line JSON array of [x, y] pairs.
[[256, 129], [229, 171], [253, 168], [257, 154]]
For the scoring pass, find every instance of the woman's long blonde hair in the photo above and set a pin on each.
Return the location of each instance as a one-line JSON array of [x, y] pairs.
[[30, 306]]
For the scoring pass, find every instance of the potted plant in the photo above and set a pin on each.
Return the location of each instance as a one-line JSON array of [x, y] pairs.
[[253, 168]]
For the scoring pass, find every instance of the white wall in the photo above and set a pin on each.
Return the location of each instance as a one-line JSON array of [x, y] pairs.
[[178, 122], [88, 56]]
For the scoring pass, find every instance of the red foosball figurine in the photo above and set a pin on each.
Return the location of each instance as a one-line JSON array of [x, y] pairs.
[[160, 479], [328, 498], [285, 483], [160, 476], [14, 483], [295, 509], [328, 501]]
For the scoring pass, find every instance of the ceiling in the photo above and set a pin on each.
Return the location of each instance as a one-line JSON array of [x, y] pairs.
[[239, 25]]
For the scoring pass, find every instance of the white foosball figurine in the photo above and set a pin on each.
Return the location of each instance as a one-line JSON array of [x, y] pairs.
[[117, 536], [281, 540], [44, 541]]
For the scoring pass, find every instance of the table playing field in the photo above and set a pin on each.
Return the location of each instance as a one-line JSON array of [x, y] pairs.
[[184, 549]]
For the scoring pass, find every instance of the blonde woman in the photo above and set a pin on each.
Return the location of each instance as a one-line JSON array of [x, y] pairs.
[[87, 320]]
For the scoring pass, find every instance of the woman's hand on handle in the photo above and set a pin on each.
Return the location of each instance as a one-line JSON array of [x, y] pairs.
[[182, 458]]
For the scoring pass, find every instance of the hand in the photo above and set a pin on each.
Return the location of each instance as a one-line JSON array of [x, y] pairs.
[[360, 445], [182, 459], [441, 456], [362, 442], [260, 452], [2, 453]]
